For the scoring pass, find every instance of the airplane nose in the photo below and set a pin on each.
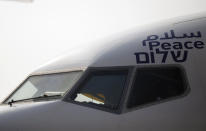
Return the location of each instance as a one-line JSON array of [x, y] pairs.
[[7, 121], [41, 116]]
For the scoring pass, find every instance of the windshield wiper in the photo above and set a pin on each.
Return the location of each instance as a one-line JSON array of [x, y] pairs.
[[33, 98]]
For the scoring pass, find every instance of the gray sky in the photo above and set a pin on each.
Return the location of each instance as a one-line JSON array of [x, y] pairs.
[[33, 33]]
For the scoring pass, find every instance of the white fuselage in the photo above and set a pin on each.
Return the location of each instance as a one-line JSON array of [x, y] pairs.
[[183, 44]]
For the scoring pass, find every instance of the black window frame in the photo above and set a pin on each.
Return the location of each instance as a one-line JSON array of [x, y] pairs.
[[122, 108], [118, 110], [185, 82]]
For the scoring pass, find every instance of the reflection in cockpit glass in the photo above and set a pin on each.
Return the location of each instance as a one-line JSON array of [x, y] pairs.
[[48, 84], [103, 88]]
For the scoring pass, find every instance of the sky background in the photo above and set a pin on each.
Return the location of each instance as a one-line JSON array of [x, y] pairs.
[[34, 33]]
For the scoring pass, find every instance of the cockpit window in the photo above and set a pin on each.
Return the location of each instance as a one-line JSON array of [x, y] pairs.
[[153, 84], [45, 85], [102, 88]]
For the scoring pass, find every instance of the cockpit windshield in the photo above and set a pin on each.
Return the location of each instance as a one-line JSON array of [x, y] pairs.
[[45, 85]]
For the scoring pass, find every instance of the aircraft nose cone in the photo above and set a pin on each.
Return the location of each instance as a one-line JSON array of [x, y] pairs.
[[30, 117], [7, 121]]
